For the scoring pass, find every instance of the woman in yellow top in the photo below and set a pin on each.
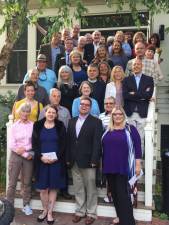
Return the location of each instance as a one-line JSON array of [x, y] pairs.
[[36, 107]]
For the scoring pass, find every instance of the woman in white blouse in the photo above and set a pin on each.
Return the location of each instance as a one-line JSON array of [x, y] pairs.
[[114, 88]]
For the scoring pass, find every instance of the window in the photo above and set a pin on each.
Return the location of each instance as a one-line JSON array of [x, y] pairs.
[[17, 67], [44, 23], [164, 138], [113, 20], [110, 23]]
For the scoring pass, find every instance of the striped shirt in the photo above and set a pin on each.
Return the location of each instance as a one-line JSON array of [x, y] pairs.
[[105, 118]]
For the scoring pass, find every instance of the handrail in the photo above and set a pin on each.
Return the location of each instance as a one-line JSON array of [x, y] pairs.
[[149, 152], [8, 125]]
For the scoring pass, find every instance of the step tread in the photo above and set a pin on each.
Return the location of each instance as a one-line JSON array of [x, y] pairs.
[[35, 196]]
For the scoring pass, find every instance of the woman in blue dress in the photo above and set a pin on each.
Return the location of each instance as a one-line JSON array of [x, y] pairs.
[[48, 143]]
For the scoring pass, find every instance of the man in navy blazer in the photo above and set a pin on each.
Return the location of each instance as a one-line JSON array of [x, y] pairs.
[[90, 49], [83, 155], [137, 93], [52, 50]]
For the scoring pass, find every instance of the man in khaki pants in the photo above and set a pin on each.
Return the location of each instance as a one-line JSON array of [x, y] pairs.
[[83, 155]]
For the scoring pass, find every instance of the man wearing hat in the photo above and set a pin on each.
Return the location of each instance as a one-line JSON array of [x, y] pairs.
[[47, 77]]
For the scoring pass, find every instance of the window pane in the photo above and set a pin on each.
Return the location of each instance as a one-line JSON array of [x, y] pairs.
[[113, 20], [17, 67], [44, 23], [22, 42]]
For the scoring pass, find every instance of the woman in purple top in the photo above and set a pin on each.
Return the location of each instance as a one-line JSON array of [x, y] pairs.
[[116, 165]]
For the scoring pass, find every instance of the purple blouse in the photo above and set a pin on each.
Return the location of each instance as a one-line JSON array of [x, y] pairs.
[[115, 150]]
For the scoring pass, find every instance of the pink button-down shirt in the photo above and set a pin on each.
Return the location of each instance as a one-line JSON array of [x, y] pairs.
[[21, 136]]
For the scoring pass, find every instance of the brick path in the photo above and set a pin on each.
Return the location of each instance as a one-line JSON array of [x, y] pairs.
[[66, 219]]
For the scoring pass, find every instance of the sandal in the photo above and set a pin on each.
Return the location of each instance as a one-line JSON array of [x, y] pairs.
[[42, 217]]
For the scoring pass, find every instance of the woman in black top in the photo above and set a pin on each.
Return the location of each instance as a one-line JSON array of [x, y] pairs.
[[67, 86]]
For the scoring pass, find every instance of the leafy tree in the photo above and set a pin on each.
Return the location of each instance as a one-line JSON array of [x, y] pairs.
[[17, 13]]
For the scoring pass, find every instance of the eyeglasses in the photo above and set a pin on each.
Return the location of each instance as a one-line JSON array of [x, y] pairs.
[[86, 105], [117, 114], [109, 103]]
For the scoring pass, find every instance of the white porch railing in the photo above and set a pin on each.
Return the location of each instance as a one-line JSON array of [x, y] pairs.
[[149, 153]]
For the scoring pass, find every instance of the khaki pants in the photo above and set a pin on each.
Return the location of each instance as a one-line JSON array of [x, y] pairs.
[[139, 123], [84, 181], [16, 165]]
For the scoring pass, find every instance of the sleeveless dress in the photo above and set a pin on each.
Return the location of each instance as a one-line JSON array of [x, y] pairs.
[[50, 175]]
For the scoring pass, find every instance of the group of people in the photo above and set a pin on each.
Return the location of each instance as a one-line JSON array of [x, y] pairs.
[[84, 105]]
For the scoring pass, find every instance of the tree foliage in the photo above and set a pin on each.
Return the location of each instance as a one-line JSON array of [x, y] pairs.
[[17, 13]]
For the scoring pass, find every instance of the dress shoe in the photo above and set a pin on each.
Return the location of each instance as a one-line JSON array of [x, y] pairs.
[[50, 221], [66, 195], [76, 218], [89, 220]]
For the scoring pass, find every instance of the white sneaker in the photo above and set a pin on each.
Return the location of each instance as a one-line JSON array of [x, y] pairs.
[[27, 210], [108, 199]]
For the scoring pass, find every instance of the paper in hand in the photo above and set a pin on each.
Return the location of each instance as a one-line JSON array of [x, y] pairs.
[[50, 155], [135, 178]]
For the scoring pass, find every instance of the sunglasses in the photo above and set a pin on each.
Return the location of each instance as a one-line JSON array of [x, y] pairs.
[[109, 103]]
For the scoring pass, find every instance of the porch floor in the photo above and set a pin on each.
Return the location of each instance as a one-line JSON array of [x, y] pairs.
[[66, 219]]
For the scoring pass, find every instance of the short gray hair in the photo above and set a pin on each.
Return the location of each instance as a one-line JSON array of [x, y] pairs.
[[31, 70], [54, 89], [24, 107]]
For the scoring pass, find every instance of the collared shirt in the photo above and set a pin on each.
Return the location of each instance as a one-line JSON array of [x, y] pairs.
[[96, 45], [127, 49], [67, 58], [137, 79], [63, 115], [55, 51], [21, 136], [80, 123], [105, 118], [149, 68]]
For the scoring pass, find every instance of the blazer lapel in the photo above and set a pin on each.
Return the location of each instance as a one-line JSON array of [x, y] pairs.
[[74, 127]]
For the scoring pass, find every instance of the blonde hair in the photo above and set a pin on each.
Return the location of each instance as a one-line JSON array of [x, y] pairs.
[[139, 34], [113, 71], [24, 107], [31, 70], [111, 123], [77, 53], [119, 32]]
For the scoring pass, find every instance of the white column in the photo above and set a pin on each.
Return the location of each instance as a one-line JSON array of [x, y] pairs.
[[149, 152], [31, 60], [148, 164], [8, 126]]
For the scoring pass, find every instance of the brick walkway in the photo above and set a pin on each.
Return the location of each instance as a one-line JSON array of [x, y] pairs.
[[66, 219]]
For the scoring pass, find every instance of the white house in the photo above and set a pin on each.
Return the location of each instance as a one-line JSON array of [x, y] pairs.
[[107, 21]]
